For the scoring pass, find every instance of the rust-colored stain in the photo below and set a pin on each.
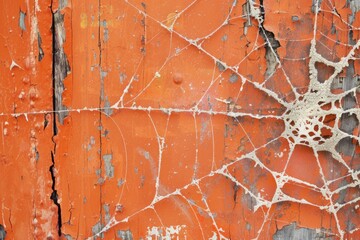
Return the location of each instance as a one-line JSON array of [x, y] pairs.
[[191, 119]]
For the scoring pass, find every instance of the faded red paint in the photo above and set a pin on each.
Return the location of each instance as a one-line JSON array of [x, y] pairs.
[[169, 126]]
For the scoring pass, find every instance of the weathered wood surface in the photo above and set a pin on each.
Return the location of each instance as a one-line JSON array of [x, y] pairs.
[[192, 119]]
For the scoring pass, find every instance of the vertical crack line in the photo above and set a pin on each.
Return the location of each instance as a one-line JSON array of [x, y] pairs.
[[61, 66], [271, 46], [100, 112], [54, 195], [55, 101], [53, 31]]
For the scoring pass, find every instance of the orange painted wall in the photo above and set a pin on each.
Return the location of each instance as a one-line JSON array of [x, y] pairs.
[[191, 119]]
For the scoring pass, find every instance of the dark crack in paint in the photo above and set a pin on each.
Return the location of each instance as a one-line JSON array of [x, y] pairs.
[[61, 67], [41, 51], [54, 195], [271, 46]]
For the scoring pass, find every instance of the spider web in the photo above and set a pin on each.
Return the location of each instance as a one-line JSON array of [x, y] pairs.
[[305, 114], [306, 117]]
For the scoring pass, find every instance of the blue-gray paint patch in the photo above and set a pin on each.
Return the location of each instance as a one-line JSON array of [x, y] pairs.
[[68, 237], [122, 77], [148, 157], [224, 38], [62, 4], [2, 232], [206, 214], [294, 18], [96, 229], [107, 107], [106, 34], [109, 168], [220, 66], [120, 182], [91, 143], [41, 51], [105, 133], [103, 74], [101, 181], [204, 131], [106, 208], [248, 226], [22, 20], [233, 78], [191, 202], [125, 234], [105, 31], [294, 232]]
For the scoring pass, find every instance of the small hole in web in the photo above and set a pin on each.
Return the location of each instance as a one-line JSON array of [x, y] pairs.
[[317, 138], [329, 120], [304, 142], [337, 104], [295, 133], [325, 107], [324, 71], [326, 132]]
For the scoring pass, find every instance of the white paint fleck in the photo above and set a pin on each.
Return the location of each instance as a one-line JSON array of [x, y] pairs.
[[14, 64], [166, 233]]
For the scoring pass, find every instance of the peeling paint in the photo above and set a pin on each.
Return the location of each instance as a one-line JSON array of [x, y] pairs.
[[293, 232], [107, 107], [105, 31], [68, 237], [2, 232], [233, 78], [220, 66], [62, 4], [91, 143], [271, 45], [22, 20], [125, 234], [122, 77], [120, 182], [237, 135], [109, 168], [166, 233], [106, 208], [41, 52], [97, 229], [60, 64]]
